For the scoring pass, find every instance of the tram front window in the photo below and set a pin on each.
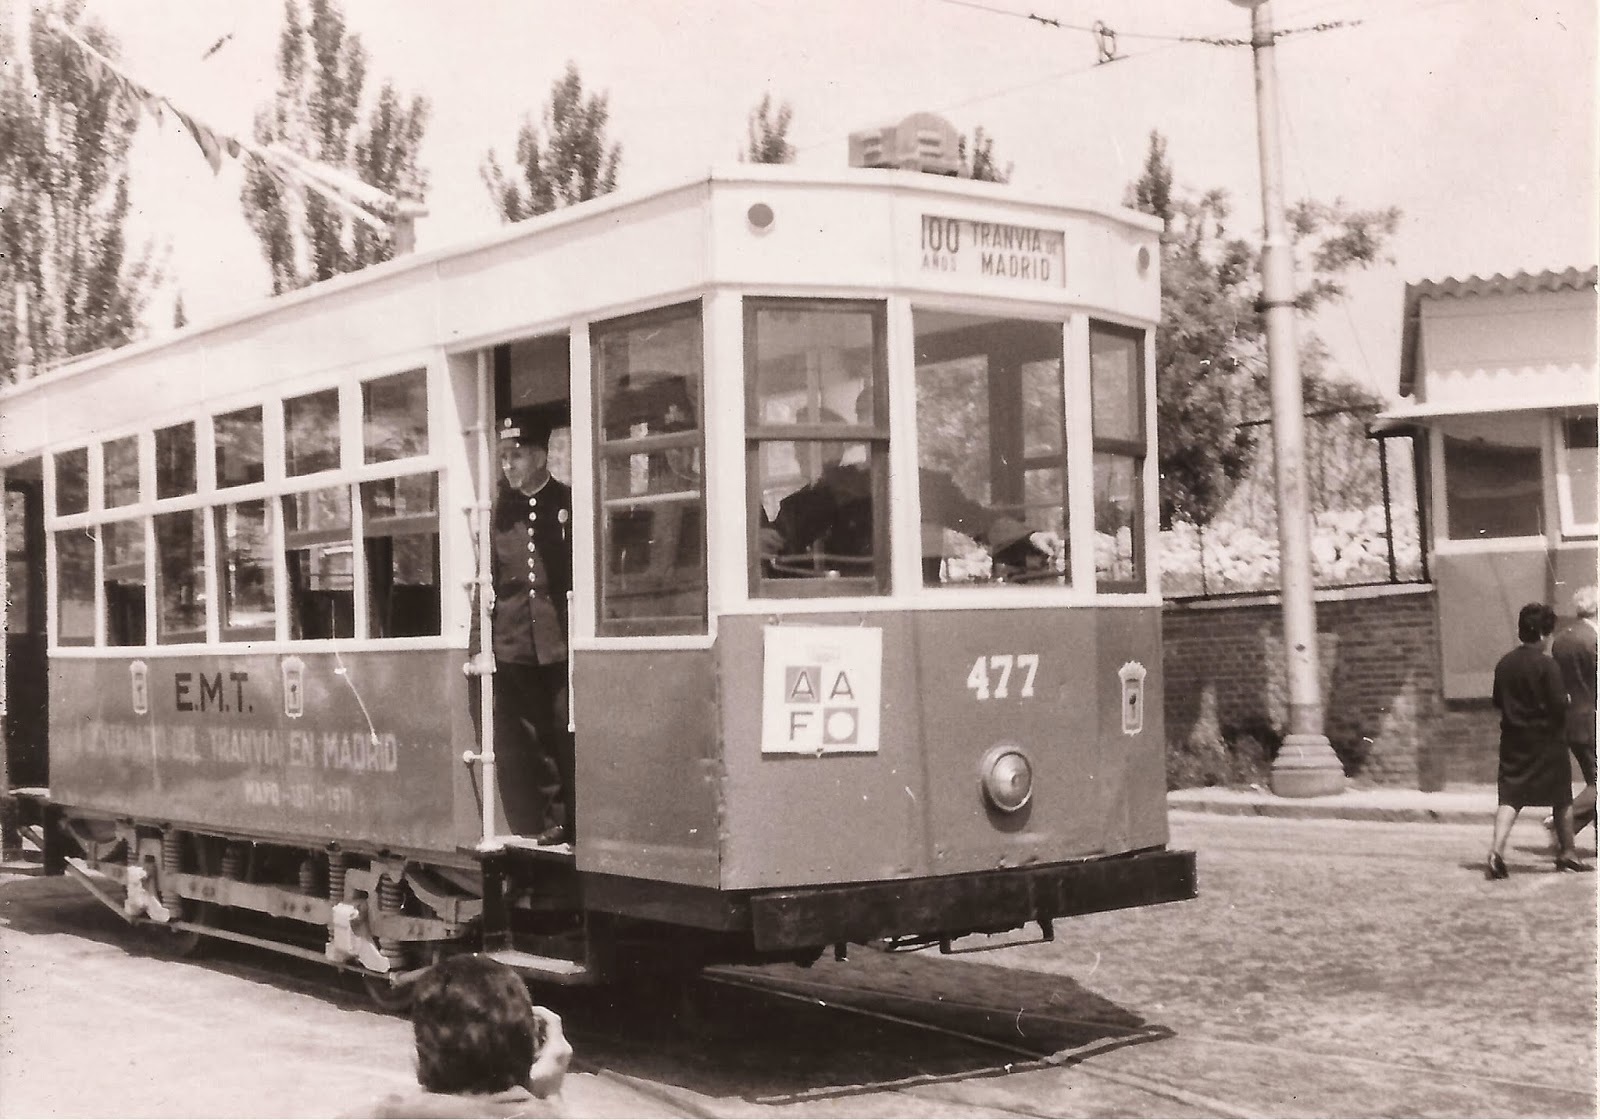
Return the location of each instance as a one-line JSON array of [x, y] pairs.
[[650, 476], [991, 439], [816, 449]]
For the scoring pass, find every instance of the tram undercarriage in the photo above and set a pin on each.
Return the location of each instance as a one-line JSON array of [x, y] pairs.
[[386, 916]]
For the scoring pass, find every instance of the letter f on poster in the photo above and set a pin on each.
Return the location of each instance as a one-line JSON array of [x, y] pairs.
[[822, 690]]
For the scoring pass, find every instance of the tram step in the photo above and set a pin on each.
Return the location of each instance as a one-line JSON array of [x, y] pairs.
[[555, 969]]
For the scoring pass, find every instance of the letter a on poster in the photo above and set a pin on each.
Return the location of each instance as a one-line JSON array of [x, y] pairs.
[[822, 690]]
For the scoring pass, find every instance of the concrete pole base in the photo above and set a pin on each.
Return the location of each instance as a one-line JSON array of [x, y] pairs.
[[1306, 767]]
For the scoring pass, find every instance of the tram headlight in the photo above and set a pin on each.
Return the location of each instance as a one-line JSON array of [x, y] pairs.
[[1007, 778]]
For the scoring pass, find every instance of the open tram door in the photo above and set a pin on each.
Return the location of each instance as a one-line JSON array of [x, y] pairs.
[[25, 679], [529, 376]]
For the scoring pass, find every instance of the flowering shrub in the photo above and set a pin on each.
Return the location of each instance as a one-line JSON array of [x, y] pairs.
[[1347, 548]]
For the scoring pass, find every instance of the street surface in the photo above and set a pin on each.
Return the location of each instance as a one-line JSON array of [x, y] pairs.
[[1327, 969]]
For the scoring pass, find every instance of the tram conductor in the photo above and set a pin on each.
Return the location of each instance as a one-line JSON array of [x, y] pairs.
[[532, 572]]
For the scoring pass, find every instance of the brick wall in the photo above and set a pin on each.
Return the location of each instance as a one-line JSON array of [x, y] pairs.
[[1384, 708]]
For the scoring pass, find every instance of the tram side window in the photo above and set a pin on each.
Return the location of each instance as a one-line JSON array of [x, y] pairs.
[[311, 433], [991, 449], [72, 482], [244, 572], [124, 583], [650, 476], [1116, 378], [320, 557], [394, 416], [121, 461], [175, 461], [400, 535], [21, 538], [180, 577], [817, 447], [238, 443], [75, 587]]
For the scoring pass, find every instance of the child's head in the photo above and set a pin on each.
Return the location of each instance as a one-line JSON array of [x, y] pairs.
[[475, 1028]]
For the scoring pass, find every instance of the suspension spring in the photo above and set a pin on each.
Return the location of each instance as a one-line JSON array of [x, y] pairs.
[[308, 875], [389, 901], [233, 862], [335, 877], [171, 865]]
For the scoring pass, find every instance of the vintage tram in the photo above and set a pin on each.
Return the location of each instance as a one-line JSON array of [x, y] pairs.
[[247, 571]]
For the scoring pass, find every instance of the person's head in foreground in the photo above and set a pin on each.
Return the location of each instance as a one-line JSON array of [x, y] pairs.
[[1535, 622], [478, 1033]]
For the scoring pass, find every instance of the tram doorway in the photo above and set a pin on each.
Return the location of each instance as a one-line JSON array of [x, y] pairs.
[[533, 735], [26, 757]]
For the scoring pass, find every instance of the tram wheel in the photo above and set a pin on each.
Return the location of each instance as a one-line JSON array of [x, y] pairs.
[[178, 944]]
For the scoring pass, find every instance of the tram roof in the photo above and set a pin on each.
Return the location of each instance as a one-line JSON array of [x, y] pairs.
[[618, 203]]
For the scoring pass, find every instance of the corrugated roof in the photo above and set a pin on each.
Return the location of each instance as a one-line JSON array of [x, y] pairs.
[[1570, 279]]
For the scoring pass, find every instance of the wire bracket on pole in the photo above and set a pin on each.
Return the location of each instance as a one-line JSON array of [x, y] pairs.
[[1105, 42]]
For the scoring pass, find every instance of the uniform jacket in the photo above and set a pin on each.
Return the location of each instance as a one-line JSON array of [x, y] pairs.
[[532, 538]]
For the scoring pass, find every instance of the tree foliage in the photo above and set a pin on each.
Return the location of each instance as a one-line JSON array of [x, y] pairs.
[[68, 282], [1211, 373], [767, 139], [574, 163], [316, 112], [977, 159]]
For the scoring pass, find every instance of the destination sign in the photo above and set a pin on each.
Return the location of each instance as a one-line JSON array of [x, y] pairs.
[[993, 250]]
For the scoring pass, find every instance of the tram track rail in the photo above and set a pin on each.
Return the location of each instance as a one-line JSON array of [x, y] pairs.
[[839, 997]]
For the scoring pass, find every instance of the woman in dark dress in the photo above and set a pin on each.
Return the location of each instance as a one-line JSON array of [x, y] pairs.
[[1533, 758]]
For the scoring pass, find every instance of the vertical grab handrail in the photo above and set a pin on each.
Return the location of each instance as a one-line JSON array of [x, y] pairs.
[[485, 667]]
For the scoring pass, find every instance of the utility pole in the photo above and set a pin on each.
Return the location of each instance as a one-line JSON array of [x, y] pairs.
[[1306, 765]]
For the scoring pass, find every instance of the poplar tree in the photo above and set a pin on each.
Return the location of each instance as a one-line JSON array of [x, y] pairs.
[[317, 113], [69, 284], [767, 135], [574, 160]]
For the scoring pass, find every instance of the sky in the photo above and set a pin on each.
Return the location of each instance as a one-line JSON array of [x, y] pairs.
[[1477, 118]]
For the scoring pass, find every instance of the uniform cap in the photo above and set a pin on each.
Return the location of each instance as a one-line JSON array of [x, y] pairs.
[[526, 426]]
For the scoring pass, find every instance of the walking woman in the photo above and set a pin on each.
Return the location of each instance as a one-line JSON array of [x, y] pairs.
[[1533, 753]]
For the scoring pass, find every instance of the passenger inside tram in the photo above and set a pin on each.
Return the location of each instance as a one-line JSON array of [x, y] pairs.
[[827, 525]]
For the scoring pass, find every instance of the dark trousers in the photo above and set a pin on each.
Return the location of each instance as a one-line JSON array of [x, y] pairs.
[[1583, 806], [533, 748]]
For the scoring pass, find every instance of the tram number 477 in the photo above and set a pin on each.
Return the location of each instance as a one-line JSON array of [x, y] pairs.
[[992, 675]]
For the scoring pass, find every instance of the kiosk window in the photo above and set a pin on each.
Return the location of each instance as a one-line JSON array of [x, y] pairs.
[[1493, 485], [1579, 444], [175, 461], [72, 482], [311, 433], [318, 550], [991, 450], [1116, 384], [121, 460], [124, 583], [817, 447], [400, 536], [394, 416], [181, 581], [238, 440], [244, 572], [651, 487], [75, 587]]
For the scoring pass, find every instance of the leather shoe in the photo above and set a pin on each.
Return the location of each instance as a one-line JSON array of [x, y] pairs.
[[1497, 868], [1566, 863], [551, 837]]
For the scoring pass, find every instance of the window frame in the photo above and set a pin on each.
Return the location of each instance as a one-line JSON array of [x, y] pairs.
[[1440, 437], [603, 450], [875, 435], [1571, 527], [1136, 449]]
